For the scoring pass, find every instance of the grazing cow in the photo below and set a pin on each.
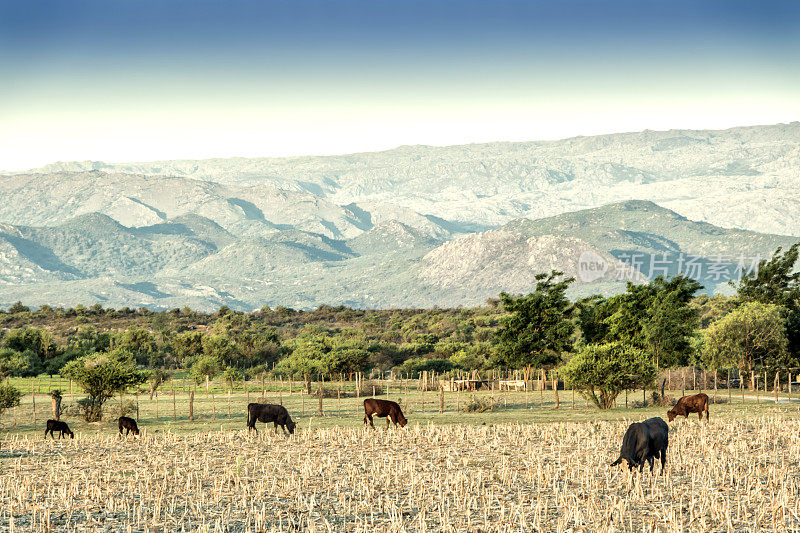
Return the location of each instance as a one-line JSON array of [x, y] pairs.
[[57, 425], [266, 412], [128, 424], [381, 408], [697, 403], [644, 441]]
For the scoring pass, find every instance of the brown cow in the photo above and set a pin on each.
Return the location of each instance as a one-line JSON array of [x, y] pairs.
[[381, 408], [697, 403]]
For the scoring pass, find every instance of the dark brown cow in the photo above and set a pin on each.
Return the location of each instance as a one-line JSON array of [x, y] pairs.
[[57, 425], [383, 408], [267, 412], [128, 424], [697, 403], [645, 442]]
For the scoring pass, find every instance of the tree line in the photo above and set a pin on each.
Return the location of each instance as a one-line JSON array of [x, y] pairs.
[[601, 345]]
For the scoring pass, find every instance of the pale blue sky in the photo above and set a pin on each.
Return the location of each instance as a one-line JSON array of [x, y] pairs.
[[124, 81]]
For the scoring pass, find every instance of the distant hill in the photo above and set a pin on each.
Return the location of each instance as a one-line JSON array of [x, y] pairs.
[[192, 261], [414, 226]]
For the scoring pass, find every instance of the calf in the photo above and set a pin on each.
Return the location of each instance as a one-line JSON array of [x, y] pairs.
[[697, 403], [644, 441], [266, 412], [383, 408], [128, 424], [57, 425]]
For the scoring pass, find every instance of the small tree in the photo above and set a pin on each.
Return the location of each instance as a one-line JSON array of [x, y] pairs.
[[102, 376], [231, 375], [9, 397], [158, 376], [205, 368], [602, 371], [56, 397]]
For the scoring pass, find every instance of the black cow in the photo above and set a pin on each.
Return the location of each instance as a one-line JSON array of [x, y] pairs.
[[128, 424], [57, 425], [267, 412], [380, 408], [644, 441]]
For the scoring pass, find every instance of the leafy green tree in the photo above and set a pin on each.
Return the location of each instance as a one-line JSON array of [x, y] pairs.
[[102, 375], [18, 308], [14, 363], [602, 371], [776, 282], [9, 397], [655, 317], [538, 328], [187, 346], [221, 347], [141, 343], [39, 341], [231, 376], [206, 367], [416, 365], [750, 338]]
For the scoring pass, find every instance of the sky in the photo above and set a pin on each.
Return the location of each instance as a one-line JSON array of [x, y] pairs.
[[121, 81]]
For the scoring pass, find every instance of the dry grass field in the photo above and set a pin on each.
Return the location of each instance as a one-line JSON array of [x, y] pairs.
[[734, 474]]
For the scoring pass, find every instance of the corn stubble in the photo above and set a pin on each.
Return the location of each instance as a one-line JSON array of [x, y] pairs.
[[728, 475]]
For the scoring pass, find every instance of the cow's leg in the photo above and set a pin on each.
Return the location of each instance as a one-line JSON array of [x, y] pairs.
[[45, 432], [651, 460], [700, 414], [663, 459], [388, 420], [370, 421]]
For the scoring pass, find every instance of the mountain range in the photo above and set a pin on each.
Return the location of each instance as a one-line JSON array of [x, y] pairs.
[[416, 226]]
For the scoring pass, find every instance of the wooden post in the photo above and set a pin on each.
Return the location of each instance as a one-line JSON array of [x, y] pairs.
[[33, 399], [229, 403], [573, 397], [174, 404], [555, 388], [213, 405], [715, 386], [191, 405], [741, 385], [441, 399], [137, 404], [729, 386], [156, 406], [246, 390], [683, 390], [263, 388], [339, 396], [302, 403], [776, 386], [626, 398], [542, 382], [321, 392], [206, 383]]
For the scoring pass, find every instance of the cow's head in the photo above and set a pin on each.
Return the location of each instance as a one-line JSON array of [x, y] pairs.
[[290, 425], [402, 420], [631, 463], [71, 434], [671, 415]]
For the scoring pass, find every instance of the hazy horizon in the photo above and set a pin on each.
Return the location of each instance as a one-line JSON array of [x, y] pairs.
[[197, 80]]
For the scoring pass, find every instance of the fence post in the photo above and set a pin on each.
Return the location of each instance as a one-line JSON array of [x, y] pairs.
[[174, 405], [741, 385], [137, 405], [555, 388], [33, 398], [776, 386], [191, 405], [229, 403], [156, 406], [320, 392], [728, 384]]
